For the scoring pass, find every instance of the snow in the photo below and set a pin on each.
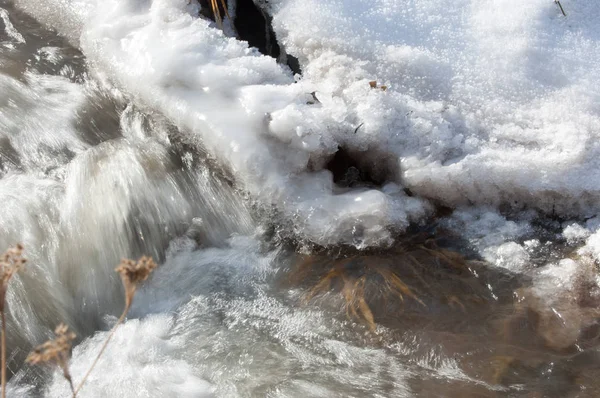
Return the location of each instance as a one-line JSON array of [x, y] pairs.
[[575, 233], [490, 101], [592, 246], [494, 237]]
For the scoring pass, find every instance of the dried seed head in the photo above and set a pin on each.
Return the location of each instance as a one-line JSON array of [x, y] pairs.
[[133, 273], [57, 351], [10, 263]]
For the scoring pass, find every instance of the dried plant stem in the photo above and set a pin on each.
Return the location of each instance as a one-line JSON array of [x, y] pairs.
[[58, 350], [112, 332], [70, 380], [214, 4], [64, 360], [3, 354], [10, 263], [561, 7]]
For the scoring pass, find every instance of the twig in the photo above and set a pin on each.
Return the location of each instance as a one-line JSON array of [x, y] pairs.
[[214, 4], [561, 7]]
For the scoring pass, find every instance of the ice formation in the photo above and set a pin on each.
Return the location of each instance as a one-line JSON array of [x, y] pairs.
[[487, 102]]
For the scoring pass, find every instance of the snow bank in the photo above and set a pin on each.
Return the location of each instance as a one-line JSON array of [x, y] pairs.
[[488, 102]]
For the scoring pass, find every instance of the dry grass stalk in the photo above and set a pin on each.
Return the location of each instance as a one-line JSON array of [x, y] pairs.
[[56, 352], [132, 273], [214, 4], [10, 263], [561, 7]]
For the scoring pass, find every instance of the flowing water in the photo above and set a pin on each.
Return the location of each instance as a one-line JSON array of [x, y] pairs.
[[237, 307]]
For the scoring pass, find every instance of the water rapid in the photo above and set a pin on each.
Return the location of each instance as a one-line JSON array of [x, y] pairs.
[[397, 297]]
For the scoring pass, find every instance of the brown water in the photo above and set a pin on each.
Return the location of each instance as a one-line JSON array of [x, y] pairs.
[[439, 303]]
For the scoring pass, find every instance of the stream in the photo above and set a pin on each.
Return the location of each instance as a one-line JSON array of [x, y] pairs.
[[242, 304]]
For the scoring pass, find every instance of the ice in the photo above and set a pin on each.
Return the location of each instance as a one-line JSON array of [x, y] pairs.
[[487, 103], [500, 109], [575, 233], [510, 255], [495, 238], [592, 246], [561, 275]]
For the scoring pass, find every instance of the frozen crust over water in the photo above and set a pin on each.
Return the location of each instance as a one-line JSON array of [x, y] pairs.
[[488, 102]]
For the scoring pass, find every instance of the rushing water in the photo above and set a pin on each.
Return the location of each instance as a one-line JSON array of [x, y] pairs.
[[87, 177]]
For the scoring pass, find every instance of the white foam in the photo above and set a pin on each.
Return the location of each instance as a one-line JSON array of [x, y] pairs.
[[9, 28], [140, 361], [37, 118], [213, 315], [575, 233], [79, 208]]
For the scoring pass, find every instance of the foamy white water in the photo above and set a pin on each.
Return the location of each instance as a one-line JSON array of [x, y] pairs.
[[169, 138]]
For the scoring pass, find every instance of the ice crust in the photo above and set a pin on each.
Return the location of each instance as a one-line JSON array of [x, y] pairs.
[[490, 102]]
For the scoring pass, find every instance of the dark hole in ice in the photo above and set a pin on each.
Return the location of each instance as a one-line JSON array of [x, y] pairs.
[[363, 168], [254, 26]]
